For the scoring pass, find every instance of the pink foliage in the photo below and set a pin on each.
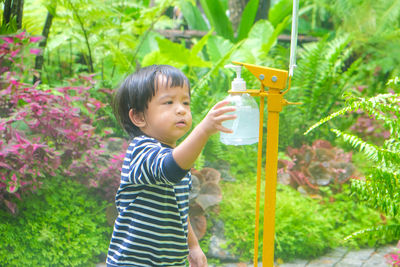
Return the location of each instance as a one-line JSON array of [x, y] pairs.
[[44, 133], [35, 39], [9, 40], [394, 258], [35, 51]]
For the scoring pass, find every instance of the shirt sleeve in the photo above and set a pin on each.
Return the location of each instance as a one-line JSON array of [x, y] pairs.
[[152, 163]]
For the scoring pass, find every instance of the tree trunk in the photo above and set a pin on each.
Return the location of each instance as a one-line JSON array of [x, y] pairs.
[[13, 8], [236, 8], [18, 11], [7, 11], [263, 9], [42, 44]]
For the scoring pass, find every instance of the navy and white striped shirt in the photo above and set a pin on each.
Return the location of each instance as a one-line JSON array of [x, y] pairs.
[[153, 204]]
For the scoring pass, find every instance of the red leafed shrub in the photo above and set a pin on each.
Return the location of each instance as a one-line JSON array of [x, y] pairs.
[[314, 166], [48, 132]]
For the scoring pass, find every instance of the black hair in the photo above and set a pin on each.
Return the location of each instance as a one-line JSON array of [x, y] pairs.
[[136, 91]]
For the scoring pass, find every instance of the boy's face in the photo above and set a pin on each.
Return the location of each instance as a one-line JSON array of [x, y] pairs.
[[168, 115]]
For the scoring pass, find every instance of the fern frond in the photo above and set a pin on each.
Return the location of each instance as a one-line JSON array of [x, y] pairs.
[[381, 106], [337, 52], [379, 190], [393, 144], [384, 233], [334, 115], [370, 150], [373, 152], [311, 70], [316, 82]]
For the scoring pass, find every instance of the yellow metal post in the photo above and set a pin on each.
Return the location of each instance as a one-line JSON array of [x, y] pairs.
[[259, 167], [274, 107], [275, 80]]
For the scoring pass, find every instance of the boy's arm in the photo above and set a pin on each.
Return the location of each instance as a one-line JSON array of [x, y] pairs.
[[196, 255], [186, 153]]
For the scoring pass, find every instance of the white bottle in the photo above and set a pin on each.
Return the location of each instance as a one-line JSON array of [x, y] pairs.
[[245, 126]]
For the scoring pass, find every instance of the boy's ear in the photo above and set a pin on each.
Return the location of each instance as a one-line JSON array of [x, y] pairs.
[[137, 118]]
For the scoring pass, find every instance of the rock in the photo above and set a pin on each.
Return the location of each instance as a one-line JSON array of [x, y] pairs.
[[216, 251], [199, 225], [217, 243], [224, 168]]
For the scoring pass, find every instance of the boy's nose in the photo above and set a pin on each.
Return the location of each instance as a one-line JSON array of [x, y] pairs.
[[181, 109]]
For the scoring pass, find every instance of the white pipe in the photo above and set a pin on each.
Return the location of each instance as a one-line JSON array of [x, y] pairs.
[[293, 39]]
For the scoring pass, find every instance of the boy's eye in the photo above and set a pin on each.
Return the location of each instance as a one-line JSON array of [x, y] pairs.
[[168, 102], [186, 103]]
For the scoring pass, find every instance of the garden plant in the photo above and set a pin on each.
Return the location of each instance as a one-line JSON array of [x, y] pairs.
[[61, 149]]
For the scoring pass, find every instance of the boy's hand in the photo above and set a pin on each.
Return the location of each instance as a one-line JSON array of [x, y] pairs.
[[186, 153], [212, 123], [197, 257]]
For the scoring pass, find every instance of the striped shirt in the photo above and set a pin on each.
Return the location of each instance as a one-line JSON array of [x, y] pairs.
[[153, 203]]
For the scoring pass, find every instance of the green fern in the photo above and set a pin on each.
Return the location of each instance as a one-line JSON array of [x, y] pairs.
[[319, 82], [376, 235], [377, 106], [375, 32], [380, 188]]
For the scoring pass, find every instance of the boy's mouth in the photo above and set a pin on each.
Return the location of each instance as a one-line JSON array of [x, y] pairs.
[[181, 123]]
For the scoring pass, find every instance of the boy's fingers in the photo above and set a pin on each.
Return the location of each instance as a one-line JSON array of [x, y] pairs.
[[224, 129], [221, 104], [224, 110], [227, 117]]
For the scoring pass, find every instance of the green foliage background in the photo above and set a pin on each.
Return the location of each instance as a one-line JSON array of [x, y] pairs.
[[63, 224], [305, 228], [356, 48]]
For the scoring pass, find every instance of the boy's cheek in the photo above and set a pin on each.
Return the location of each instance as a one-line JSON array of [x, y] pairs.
[[190, 120]]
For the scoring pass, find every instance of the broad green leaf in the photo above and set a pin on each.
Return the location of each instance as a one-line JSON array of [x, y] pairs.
[[217, 47], [146, 3], [200, 44], [247, 20], [153, 58], [259, 35], [261, 30], [173, 54], [274, 36], [149, 44], [193, 16], [280, 11], [279, 28], [215, 13]]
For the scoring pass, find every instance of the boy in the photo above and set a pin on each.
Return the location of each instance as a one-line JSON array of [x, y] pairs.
[[152, 227]]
